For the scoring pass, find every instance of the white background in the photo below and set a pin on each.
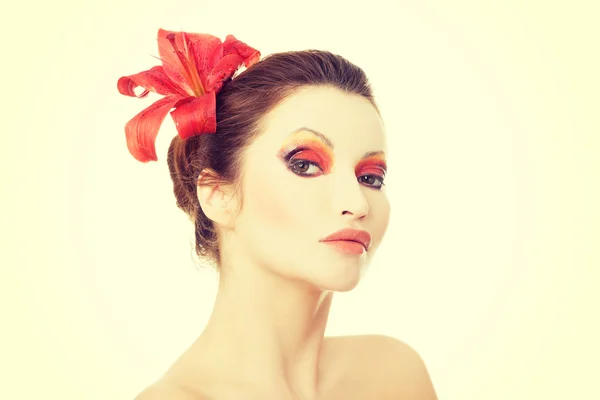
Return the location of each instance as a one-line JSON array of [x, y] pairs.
[[488, 268]]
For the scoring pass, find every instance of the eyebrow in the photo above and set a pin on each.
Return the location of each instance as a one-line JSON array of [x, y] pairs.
[[328, 142]]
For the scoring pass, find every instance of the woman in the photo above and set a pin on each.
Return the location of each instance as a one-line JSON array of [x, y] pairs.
[[281, 170]]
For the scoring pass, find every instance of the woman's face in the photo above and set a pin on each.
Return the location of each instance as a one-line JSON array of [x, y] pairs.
[[293, 199]]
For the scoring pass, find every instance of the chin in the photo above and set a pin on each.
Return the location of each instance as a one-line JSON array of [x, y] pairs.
[[342, 280], [341, 288]]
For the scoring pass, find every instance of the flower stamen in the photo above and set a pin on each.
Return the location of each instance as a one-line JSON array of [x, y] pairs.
[[187, 62]]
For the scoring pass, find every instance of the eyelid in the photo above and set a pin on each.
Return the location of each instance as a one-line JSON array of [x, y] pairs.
[[295, 151], [381, 178], [367, 162], [373, 163]]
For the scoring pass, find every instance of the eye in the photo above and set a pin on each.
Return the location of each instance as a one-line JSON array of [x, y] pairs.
[[299, 167], [374, 178]]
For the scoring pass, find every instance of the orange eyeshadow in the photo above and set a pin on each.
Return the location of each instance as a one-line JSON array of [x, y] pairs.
[[304, 145], [372, 165], [308, 148]]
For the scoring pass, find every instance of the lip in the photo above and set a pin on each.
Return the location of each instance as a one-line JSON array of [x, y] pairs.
[[352, 235]]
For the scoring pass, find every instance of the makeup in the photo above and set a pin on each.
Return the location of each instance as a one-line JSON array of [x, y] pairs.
[[310, 145], [306, 146], [346, 246], [373, 165]]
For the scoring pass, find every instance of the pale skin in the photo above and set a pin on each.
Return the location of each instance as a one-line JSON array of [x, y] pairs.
[[265, 337]]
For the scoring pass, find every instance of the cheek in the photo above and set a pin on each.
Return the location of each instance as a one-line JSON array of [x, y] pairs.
[[271, 206], [279, 212], [382, 218], [276, 228]]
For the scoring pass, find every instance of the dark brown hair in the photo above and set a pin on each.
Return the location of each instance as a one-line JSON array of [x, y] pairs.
[[241, 104]]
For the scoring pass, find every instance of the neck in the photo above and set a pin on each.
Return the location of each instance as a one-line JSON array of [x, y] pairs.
[[267, 330]]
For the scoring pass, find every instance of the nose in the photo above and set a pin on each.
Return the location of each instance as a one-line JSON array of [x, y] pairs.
[[349, 197]]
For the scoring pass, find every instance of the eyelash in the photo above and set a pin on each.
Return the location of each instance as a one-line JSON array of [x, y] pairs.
[[296, 161]]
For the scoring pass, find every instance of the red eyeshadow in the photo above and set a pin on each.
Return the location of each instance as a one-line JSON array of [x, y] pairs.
[[373, 165], [317, 156], [312, 150]]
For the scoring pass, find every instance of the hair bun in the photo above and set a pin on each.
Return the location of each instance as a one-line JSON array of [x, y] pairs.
[[182, 175]]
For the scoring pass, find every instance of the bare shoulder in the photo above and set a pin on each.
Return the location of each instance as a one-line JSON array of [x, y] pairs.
[[379, 346], [391, 365], [391, 348], [167, 391]]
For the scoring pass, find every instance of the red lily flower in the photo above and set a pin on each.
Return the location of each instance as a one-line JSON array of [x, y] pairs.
[[194, 66]]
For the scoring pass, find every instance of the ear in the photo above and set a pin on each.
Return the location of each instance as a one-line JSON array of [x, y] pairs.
[[217, 201]]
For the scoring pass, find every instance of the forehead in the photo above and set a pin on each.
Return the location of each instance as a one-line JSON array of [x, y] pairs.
[[337, 114]]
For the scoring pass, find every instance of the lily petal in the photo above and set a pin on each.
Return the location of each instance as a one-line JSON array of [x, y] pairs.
[[206, 52], [196, 116], [178, 60], [224, 69], [154, 80], [141, 130], [233, 46], [235, 53]]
